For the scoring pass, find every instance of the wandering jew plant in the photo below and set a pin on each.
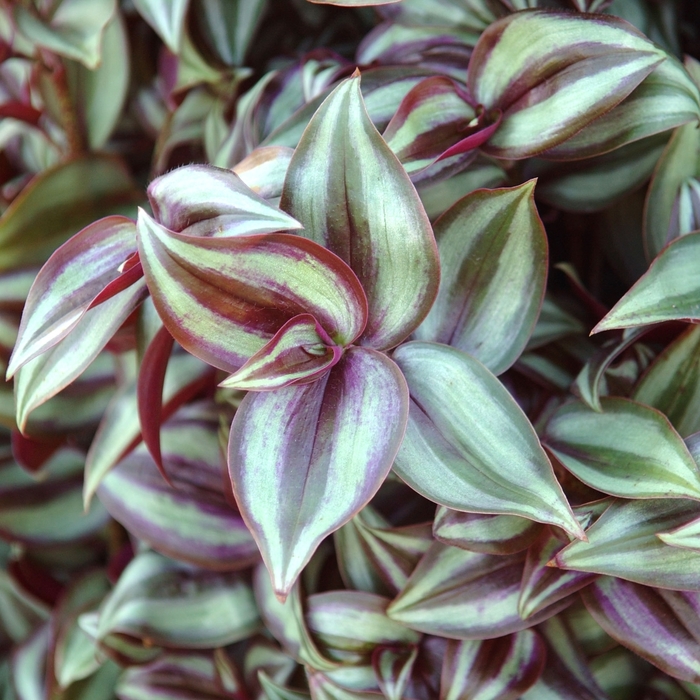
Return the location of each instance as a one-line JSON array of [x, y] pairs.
[[351, 350]]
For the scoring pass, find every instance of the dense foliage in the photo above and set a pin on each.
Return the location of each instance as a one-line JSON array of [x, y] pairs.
[[351, 352]]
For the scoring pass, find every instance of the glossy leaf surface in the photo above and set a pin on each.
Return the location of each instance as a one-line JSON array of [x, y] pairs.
[[628, 450], [624, 543], [222, 299], [191, 522], [482, 452], [668, 291], [672, 383], [201, 200], [297, 353], [68, 282], [569, 70], [661, 626], [327, 446], [493, 254], [382, 232], [465, 595], [175, 605], [489, 534], [497, 668]]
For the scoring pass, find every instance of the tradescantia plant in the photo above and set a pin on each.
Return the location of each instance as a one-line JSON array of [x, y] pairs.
[[301, 401]]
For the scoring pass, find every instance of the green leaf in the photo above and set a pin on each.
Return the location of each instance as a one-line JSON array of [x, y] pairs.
[[69, 282], [169, 604], [222, 299], [351, 624], [664, 100], [58, 203], [382, 232], [99, 95], [327, 446], [74, 30], [465, 595], [44, 376], [375, 557], [167, 17], [658, 625], [201, 200], [624, 543], [668, 291], [393, 668], [569, 69], [629, 450], [679, 163], [489, 534], [588, 381], [322, 688], [672, 383], [493, 254], [497, 668], [273, 691], [469, 446]]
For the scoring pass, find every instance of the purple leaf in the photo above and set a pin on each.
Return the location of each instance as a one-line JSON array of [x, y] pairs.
[[661, 626], [222, 299], [201, 200], [382, 232], [501, 668], [300, 352], [69, 282], [193, 521], [327, 446]]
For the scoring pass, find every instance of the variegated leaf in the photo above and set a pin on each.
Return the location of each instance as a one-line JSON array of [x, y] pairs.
[[493, 254], [327, 446], [629, 450], [375, 557], [191, 522], [496, 668], [568, 71], [298, 353], [169, 604], [664, 100], [394, 667], [489, 534], [322, 688], [465, 595], [167, 18], [264, 170], [679, 164], [44, 376], [382, 232], [222, 299], [469, 446], [71, 278], [661, 626], [668, 291], [672, 383], [349, 625], [275, 692], [624, 543], [201, 200]]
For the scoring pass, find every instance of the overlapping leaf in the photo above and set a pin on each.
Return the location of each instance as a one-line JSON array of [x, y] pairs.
[[382, 232], [624, 543], [468, 445], [327, 446], [493, 254], [222, 299], [628, 450], [661, 626], [465, 595], [191, 522], [489, 534], [672, 383], [167, 18], [201, 200], [668, 291], [498, 668], [569, 70]]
